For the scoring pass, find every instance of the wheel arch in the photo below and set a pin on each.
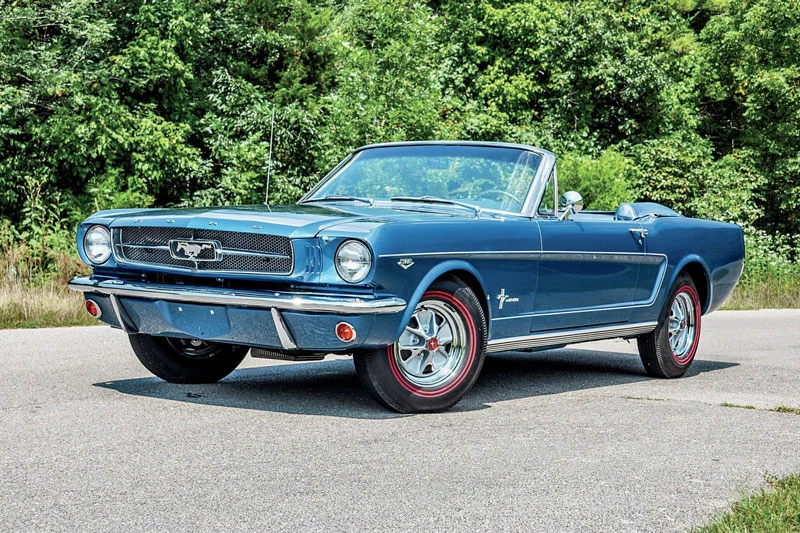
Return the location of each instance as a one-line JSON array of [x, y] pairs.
[[702, 281], [460, 270], [471, 281]]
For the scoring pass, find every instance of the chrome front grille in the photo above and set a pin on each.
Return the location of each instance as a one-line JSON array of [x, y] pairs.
[[234, 251]]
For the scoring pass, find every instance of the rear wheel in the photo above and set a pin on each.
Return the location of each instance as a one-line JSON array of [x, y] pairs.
[[668, 351], [436, 359], [186, 360]]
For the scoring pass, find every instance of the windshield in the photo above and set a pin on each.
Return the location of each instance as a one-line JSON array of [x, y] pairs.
[[486, 177]]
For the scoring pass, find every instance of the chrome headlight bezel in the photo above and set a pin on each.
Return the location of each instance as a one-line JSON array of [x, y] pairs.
[[353, 261], [97, 238]]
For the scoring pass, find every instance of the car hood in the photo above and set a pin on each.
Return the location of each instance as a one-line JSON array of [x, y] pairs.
[[294, 221]]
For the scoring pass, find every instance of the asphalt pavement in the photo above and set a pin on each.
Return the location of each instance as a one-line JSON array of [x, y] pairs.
[[577, 439]]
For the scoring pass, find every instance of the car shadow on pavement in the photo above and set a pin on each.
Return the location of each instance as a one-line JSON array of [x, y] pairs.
[[513, 375], [331, 388]]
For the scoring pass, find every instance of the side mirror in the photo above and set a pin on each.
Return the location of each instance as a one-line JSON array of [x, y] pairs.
[[572, 203]]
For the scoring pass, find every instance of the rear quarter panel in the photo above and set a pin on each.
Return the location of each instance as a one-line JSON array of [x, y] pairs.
[[717, 246]]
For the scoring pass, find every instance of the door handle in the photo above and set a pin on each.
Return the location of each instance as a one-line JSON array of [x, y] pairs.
[[642, 233]]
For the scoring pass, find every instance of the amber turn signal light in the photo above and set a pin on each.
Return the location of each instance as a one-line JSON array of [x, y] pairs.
[[345, 332], [93, 309]]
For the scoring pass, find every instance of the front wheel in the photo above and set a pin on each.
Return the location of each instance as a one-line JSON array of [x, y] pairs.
[[668, 351], [186, 360], [436, 359]]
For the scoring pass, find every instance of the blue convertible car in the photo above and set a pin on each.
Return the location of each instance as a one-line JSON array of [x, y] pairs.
[[418, 259]]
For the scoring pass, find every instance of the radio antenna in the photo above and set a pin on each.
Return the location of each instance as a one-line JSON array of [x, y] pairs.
[[269, 167]]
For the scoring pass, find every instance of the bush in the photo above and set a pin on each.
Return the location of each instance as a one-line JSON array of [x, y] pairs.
[[733, 188], [771, 259], [672, 170], [603, 182]]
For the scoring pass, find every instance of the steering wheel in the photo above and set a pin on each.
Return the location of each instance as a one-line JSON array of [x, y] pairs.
[[497, 192]]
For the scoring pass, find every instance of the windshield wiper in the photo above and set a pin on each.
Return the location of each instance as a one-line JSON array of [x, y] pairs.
[[331, 198], [436, 200]]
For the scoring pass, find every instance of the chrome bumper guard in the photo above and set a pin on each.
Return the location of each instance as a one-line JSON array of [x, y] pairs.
[[344, 305]]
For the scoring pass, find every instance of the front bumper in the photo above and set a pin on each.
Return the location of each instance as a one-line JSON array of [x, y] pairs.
[[279, 320]]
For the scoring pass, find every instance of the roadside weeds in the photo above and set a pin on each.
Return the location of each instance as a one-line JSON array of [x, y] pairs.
[[774, 508], [47, 305], [777, 409]]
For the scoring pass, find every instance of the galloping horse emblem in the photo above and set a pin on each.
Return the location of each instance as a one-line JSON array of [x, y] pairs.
[[191, 249]]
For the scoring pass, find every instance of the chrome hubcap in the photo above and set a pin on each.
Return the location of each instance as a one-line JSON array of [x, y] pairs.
[[432, 350], [682, 325]]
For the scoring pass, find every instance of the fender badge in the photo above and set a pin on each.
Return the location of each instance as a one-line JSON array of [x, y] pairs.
[[405, 263], [503, 298]]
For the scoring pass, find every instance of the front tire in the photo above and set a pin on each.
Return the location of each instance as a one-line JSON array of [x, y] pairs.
[[668, 351], [437, 358], [186, 360]]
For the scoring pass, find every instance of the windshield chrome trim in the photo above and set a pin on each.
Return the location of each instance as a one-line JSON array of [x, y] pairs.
[[488, 144], [539, 185]]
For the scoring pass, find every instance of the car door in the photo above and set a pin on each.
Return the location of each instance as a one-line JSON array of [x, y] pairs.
[[588, 270]]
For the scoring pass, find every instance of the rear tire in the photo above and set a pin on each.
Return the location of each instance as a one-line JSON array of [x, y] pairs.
[[668, 351], [186, 360], [437, 358]]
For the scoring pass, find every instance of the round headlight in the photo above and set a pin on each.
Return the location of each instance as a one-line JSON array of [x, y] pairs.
[[353, 261], [97, 244]]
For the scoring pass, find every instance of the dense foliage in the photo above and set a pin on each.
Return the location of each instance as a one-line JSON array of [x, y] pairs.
[[111, 103]]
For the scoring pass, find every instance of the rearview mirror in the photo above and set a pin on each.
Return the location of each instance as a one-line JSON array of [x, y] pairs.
[[572, 203]]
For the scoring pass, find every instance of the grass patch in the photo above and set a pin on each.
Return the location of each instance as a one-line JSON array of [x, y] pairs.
[[772, 509], [764, 295], [42, 306], [33, 286]]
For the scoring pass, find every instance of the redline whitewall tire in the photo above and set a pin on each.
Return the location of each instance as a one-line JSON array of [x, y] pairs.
[[437, 358], [669, 350]]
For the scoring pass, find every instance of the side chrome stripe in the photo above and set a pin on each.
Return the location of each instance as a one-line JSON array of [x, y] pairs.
[[499, 254], [611, 257], [569, 337], [605, 257]]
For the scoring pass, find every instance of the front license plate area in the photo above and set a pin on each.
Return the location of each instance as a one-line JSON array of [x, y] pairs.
[[196, 321]]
